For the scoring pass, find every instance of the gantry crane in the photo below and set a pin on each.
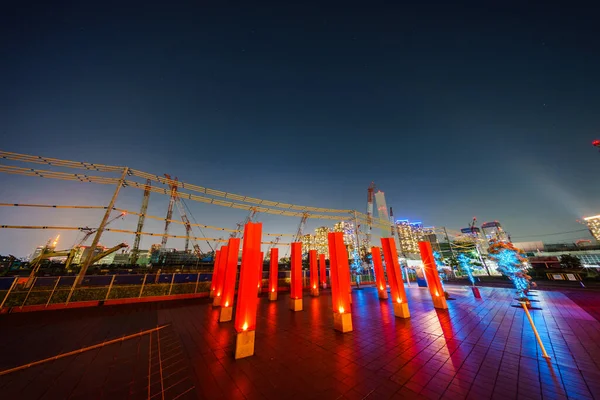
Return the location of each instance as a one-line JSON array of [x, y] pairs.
[[135, 251]]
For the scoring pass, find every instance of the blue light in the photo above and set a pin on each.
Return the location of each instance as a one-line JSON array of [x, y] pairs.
[[465, 264], [510, 266]]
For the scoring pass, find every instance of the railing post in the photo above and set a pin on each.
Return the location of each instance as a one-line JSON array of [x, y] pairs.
[[110, 287], [143, 284], [197, 282], [29, 292], [53, 290], [171, 287], [9, 290]]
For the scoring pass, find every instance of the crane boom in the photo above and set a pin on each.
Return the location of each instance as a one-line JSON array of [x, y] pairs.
[[173, 185], [298, 237], [240, 225], [135, 252]]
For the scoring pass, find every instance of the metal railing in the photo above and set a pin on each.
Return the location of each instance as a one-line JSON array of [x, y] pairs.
[[46, 291]]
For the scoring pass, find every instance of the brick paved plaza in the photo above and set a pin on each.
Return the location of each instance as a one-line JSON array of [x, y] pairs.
[[477, 349]]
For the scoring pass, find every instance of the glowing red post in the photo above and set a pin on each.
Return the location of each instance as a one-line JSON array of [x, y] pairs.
[[339, 277], [379, 275], [395, 278], [215, 275], [220, 276], [433, 278], [273, 272], [314, 273], [296, 277], [229, 277], [247, 300], [322, 271], [260, 271]]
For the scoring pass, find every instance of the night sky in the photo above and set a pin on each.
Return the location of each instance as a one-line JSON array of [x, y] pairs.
[[454, 111]]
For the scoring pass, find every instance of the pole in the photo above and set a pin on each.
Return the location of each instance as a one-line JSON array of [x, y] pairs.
[[9, 290], [197, 281], [29, 292], [53, 290], [171, 287], [143, 284], [90, 256], [110, 287], [537, 335]]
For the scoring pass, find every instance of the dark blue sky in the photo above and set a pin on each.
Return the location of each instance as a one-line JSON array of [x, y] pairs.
[[453, 111]]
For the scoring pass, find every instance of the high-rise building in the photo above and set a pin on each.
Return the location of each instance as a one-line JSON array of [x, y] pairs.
[[308, 243], [493, 231], [409, 235], [321, 243], [593, 224], [349, 236]]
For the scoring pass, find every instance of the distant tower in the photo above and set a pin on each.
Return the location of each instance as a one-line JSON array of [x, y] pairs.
[[370, 191], [382, 212]]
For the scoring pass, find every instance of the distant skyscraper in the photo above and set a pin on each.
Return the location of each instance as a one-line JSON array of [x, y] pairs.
[[349, 237], [593, 224], [320, 238], [308, 243], [409, 235]]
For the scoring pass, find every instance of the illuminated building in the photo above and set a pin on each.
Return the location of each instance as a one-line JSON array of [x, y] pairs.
[[320, 239], [349, 237], [410, 234], [308, 243], [493, 231], [593, 224]]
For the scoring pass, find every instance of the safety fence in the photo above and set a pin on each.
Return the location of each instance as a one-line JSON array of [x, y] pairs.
[[53, 290]]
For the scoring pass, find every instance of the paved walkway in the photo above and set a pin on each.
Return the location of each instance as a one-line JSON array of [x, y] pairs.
[[477, 349]]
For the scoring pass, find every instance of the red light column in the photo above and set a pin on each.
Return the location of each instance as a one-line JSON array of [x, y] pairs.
[[322, 271], [379, 275], [296, 277], [273, 271], [314, 273], [220, 276], [433, 278], [229, 277], [247, 300], [215, 275], [395, 278], [339, 277], [260, 271]]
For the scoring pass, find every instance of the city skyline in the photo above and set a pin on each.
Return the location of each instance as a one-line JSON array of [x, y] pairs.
[[447, 116]]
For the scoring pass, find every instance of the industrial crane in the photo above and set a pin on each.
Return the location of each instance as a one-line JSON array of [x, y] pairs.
[[240, 225], [135, 251], [49, 252], [90, 231], [298, 237], [173, 187], [186, 222]]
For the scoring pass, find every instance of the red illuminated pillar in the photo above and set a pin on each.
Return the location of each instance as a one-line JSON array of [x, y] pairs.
[[339, 277], [260, 271], [273, 273], [247, 300], [322, 271], [379, 275], [229, 277], [314, 273], [220, 275], [296, 277], [215, 275], [395, 278], [433, 278]]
